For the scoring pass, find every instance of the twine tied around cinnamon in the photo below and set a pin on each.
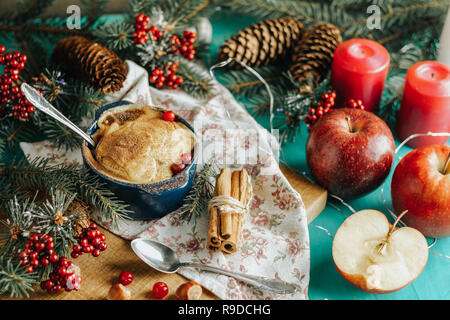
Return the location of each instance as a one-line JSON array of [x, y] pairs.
[[228, 204], [227, 210]]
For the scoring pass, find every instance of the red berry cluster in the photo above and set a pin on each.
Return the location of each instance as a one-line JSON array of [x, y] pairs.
[[90, 241], [166, 77], [179, 166], [38, 251], [324, 106], [9, 90], [185, 45], [63, 276], [141, 30], [354, 104]]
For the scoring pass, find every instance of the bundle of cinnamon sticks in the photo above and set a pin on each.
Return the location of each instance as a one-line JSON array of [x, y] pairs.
[[225, 226]]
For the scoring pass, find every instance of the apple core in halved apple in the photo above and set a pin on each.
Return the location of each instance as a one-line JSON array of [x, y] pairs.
[[376, 257]]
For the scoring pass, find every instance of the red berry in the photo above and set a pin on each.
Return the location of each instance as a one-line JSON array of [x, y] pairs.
[[8, 56], [140, 17], [75, 254], [177, 167], [29, 269], [159, 84], [2, 49], [126, 277], [53, 258], [84, 242], [45, 262], [34, 263], [160, 290], [169, 116], [77, 248], [96, 252], [102, 246], [48, 284], [91, 234], [102, 237], [179, 81], [62, 271], [96, 241], [63, 261]]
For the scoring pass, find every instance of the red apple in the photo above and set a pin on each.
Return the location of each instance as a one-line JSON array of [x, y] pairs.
[[350, 152], [421, 185]]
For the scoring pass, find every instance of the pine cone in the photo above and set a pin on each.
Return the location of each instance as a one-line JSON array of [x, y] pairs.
[[313, 55], [262, 43], [90, 61]]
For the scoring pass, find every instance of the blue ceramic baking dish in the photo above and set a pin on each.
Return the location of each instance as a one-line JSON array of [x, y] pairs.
[[146, 201]]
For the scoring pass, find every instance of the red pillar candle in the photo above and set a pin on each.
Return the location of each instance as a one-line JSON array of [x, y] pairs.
[[359, 71], [425, 104]]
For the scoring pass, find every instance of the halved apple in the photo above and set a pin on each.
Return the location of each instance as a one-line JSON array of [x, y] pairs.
[[375, 256]]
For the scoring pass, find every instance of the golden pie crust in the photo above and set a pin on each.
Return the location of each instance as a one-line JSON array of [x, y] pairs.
[[136, 145]]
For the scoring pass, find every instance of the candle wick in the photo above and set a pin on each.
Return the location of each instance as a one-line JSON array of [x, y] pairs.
[[432, 75]]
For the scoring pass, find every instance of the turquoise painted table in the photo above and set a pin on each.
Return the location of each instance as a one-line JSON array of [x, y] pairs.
[[326, 282]]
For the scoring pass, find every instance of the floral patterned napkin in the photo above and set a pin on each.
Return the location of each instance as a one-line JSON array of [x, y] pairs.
[[275, 240]]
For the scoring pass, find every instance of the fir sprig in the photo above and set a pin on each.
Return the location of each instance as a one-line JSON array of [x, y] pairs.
[[116, 35], [71, 179], [14, 229], [30, 9], [197, 80], [195, 204], [53, 218], [14, 279]]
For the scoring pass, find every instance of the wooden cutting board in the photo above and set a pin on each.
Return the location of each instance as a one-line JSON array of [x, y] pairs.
[[100, 273]]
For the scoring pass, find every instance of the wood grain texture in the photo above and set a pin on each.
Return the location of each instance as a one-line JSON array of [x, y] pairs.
[[99, 274]]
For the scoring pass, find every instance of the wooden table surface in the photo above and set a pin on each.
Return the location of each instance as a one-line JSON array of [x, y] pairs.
[[99, 274]]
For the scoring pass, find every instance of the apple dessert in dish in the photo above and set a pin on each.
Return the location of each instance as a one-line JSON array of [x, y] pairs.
[[136, 144]]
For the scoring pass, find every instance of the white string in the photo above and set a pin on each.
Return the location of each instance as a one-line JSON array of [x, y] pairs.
[[257, 75], [227, 204], [429, 133]]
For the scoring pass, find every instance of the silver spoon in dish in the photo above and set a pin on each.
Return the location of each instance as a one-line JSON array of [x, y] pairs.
[[42, 104], [164, 259]]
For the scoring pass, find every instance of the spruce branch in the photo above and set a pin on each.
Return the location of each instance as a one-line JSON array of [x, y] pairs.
[[16, 226], [30, 9], [195, 204], [68, 179], [14, 279], [309, 13], [197, 81], [94, 8], [182, 13], [116, 36], [54, 218]]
